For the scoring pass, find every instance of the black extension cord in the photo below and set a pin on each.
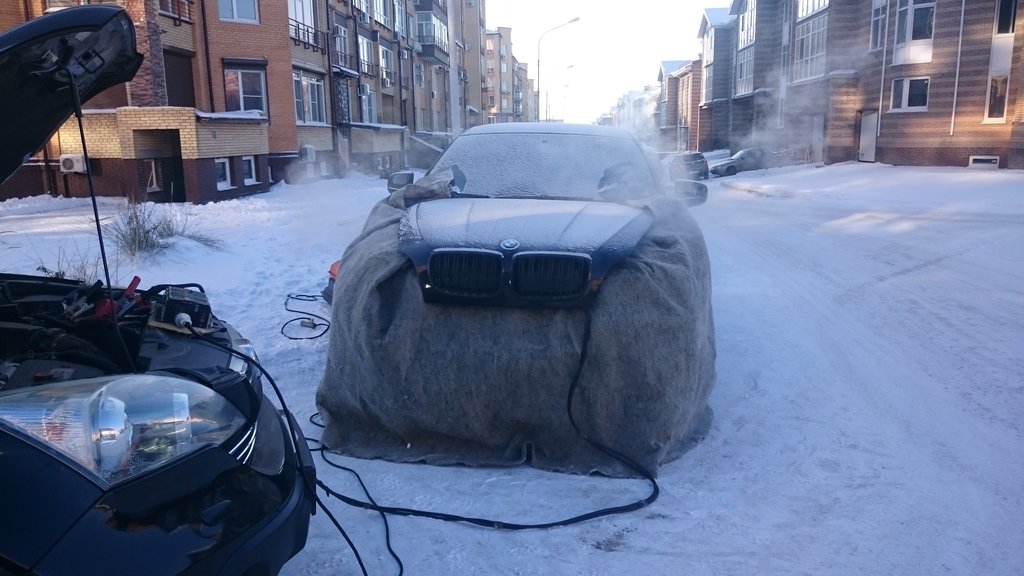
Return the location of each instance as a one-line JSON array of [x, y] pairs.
[[485, 522]]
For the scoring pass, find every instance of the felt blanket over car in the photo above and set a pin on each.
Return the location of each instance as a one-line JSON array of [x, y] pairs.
[[414, 382]]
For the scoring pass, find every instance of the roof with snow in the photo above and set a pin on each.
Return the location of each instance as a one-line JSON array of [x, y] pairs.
[[714, 18]]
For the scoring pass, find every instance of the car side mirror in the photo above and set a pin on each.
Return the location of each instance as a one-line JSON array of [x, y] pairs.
[[692, 192], [399, 180]]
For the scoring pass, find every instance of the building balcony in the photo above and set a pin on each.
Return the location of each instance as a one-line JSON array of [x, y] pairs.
[[307, 36], [345, 64], [433, 49]]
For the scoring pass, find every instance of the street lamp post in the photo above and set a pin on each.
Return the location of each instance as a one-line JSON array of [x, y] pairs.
[[543, 34]]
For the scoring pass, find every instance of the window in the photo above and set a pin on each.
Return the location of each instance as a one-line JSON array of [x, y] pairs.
[[915, 20], [400, 18], [309, 98], [709, 81], [746, 24], [249, 170], [878, 25], [1006, 16], [366, 63], [301, 11], [805, 8], [809, 50], [504, 67], [910, 94], [745, 71], [238, 10], [245, 90], [341, 42], [709, 46], [387, 65], [152, 169], [223, 171], [996, 105], [417, 73], [430, 30], [362, 5], [380, 12], [368, 104]]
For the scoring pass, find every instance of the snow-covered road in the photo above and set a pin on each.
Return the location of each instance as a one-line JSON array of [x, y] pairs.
[[869, 411]]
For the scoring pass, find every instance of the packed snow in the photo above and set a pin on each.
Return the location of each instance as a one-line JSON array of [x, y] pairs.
[[869, 410]]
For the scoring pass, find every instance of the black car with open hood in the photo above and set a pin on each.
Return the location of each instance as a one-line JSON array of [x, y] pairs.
[[135, 435]]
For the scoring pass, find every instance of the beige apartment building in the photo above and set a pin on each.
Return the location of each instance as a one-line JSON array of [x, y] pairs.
[[905, 82]]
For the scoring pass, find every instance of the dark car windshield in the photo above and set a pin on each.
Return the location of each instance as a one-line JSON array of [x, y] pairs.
[[550, 165]]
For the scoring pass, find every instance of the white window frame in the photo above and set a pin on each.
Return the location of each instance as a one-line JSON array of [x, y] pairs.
[[366, 59], [709, 46], [900, 101], [152, 175], [368, 105], [878, 25], [907, 49], [309, 98], [418, 75], [746, 26], [380, 12], [341, 41], [810, 48], [805, 8], [1009, 17], [400, 12], [303, 12], [224, 184], [242, 95], [233, 4], [709, 83], [387, 64], [1001, 118], [744, 71], [249, 161]]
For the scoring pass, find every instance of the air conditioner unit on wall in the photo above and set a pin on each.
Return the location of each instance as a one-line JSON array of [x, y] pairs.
[[364, 89], [72, 163], [307, 153]]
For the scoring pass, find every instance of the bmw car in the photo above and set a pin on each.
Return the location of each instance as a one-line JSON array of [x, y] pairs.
[[136, 434], [457, 314]]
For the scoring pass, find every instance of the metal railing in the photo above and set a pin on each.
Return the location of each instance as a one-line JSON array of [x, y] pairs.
[[306, 35]]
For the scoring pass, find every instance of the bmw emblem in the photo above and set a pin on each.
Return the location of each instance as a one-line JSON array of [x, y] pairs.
[[510, 244]]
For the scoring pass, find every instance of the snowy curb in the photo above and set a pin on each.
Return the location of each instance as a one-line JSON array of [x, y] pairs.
[[765, 190]]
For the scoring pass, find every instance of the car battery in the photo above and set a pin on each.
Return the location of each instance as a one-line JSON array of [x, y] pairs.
[[176, 300]]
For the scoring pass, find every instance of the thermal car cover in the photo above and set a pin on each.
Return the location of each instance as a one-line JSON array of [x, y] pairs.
[[414, 382]]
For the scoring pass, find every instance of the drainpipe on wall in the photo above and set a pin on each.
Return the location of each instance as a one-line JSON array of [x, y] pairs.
[[956, 83], [881, 85], [206, 54], [330, 76]]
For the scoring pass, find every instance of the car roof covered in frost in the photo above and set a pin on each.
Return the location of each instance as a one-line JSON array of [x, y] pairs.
[[550, 128]]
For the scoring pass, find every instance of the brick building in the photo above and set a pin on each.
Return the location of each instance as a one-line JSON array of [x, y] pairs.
[[234, 95], [906, 82]]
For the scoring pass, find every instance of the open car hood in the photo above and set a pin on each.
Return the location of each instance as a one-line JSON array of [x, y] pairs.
[[91, 46]]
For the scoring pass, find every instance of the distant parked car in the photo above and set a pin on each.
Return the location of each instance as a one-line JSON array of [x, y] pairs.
[[687, 165], [745, 159]]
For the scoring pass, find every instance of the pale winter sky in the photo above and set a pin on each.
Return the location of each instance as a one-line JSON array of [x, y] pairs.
[[613, 48]]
